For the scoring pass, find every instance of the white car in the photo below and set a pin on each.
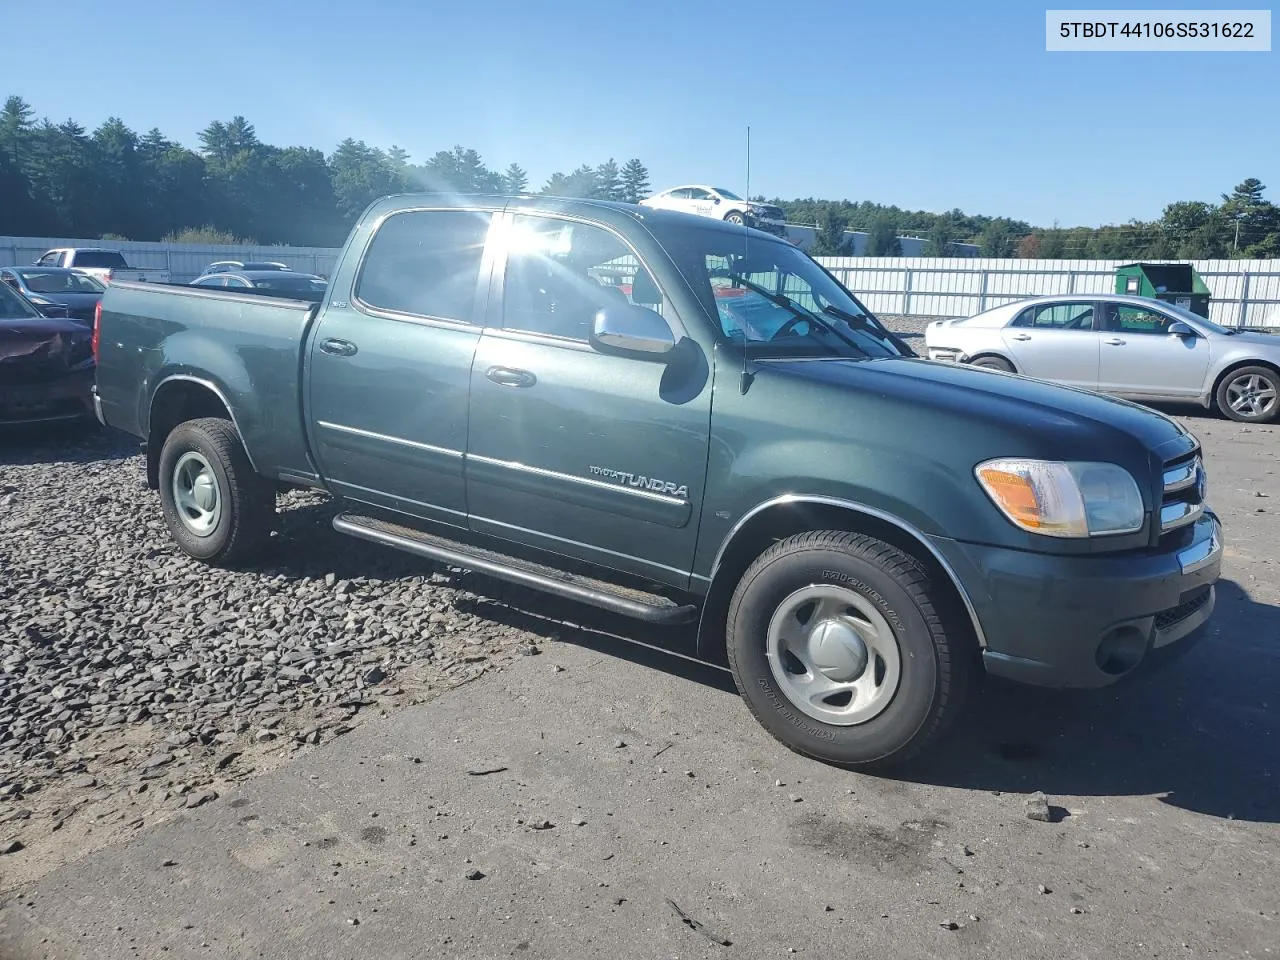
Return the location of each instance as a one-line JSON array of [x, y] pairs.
[[1126, 346], [103, 265], [720, 204]]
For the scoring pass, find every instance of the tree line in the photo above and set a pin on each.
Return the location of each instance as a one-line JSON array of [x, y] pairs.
[[58, 179]]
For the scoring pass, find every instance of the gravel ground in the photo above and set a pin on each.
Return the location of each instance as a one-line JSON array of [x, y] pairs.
[[135, 682]]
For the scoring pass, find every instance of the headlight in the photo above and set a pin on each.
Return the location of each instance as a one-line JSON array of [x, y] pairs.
[[1059, 499]]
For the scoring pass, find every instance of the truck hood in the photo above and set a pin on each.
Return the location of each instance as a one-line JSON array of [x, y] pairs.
[[1054, 418]]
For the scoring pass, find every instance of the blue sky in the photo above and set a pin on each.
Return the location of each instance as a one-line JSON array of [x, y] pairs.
[[924, 105]]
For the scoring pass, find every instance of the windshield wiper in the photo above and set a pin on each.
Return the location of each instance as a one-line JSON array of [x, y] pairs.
[[801, 313]]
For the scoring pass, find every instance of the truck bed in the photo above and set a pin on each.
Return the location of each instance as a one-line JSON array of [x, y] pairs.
[[257, 340]]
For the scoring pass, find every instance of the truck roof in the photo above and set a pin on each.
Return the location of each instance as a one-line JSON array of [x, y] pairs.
[[613, 212]]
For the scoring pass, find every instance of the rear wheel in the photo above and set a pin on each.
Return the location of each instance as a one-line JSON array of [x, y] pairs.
[[1250, 395], [216, 507], [838, 645], [992, 363]]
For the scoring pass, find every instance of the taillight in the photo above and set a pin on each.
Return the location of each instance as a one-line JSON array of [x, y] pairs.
[[97, 326]]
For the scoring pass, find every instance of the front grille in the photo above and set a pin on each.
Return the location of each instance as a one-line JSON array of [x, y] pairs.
[[1182, 500], [1175, 615]]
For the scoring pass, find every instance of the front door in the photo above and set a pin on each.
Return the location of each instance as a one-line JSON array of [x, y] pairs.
[[390, 368], [1141, 358], [1056, 341], [596, 457]]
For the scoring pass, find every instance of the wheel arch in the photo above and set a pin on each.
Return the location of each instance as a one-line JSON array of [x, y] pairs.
[[1235, 365], [787, 515], [177, 399], [994, 355]]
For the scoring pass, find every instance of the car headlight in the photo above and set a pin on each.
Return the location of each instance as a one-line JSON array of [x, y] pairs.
[[1064, 499]]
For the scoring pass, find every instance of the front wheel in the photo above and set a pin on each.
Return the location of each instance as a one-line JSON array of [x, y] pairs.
[[216, 507], [736, 217], [838, 645], [1250, 395]]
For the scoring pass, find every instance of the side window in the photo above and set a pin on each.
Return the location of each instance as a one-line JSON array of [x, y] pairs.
[[697, 193], [560, 273], [49, 259], [10, 279], [425, 263], [235, 282], [1122, 318], [683, 193], [1057, 316]]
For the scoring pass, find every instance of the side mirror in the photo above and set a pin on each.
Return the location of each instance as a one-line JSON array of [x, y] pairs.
[[715, 200], [1180, 329], [631, 331]]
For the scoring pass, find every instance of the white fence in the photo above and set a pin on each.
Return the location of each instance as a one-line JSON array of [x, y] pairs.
[[184, 261], [1244, 292]]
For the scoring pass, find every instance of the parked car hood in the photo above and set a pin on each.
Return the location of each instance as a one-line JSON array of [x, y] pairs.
[[47, 341], [1063, 421]]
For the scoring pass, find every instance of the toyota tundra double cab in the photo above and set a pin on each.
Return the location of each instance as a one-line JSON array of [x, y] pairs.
[[687, 422]]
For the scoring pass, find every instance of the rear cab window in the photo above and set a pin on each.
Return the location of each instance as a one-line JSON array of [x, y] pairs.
[[97, 259], [425, 263]]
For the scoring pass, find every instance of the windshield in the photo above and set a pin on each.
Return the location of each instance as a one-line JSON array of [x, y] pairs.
[[727, 194], [39, 281], [1194, 318], [290, 284], [99, 258], [15, 307], [773, 297]]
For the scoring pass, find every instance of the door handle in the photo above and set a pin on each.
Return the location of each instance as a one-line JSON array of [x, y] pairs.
[[1022, 336], [1114, 342], [510, 377], [337, 348]]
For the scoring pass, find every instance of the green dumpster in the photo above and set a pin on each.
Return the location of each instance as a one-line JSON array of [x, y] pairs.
[[1176, 283]]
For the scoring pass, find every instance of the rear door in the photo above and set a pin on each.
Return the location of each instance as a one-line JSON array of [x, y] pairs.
[[389, 368], [601, 458], [1056, 341], [1141, 358]]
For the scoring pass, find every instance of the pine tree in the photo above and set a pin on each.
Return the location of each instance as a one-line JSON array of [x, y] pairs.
[[883, 239], [635, 181], [608, 181], [515, 180]]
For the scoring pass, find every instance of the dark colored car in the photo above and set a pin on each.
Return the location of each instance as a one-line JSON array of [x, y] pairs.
[[46, 364], [281, 283], [78, 292], [680, 419]]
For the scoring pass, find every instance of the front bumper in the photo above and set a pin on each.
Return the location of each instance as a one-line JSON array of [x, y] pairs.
[[67, 398], [777, 227], [1088, 621]]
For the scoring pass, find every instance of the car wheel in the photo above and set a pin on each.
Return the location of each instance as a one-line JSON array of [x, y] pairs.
[[216, 507], [1250, 395], [736, 217], [992, 363], [838, 645]]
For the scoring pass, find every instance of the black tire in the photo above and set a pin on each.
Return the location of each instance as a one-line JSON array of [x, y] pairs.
[[992, 363], [938, 659], [1269, 380], [736, 217], [247, 500]]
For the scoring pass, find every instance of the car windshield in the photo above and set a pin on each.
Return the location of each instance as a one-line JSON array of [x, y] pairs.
[[98, 258], [774, 298], [15, 307], [290, 284], [58, 281], [727, 194], [1195, 318]]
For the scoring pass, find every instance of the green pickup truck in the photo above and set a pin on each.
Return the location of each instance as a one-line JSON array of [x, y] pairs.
[[686, 422]]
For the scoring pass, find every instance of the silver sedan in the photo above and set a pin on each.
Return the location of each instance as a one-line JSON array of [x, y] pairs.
[[1131, 347]]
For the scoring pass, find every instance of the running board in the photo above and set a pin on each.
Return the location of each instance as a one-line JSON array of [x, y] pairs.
[[637, 604]]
